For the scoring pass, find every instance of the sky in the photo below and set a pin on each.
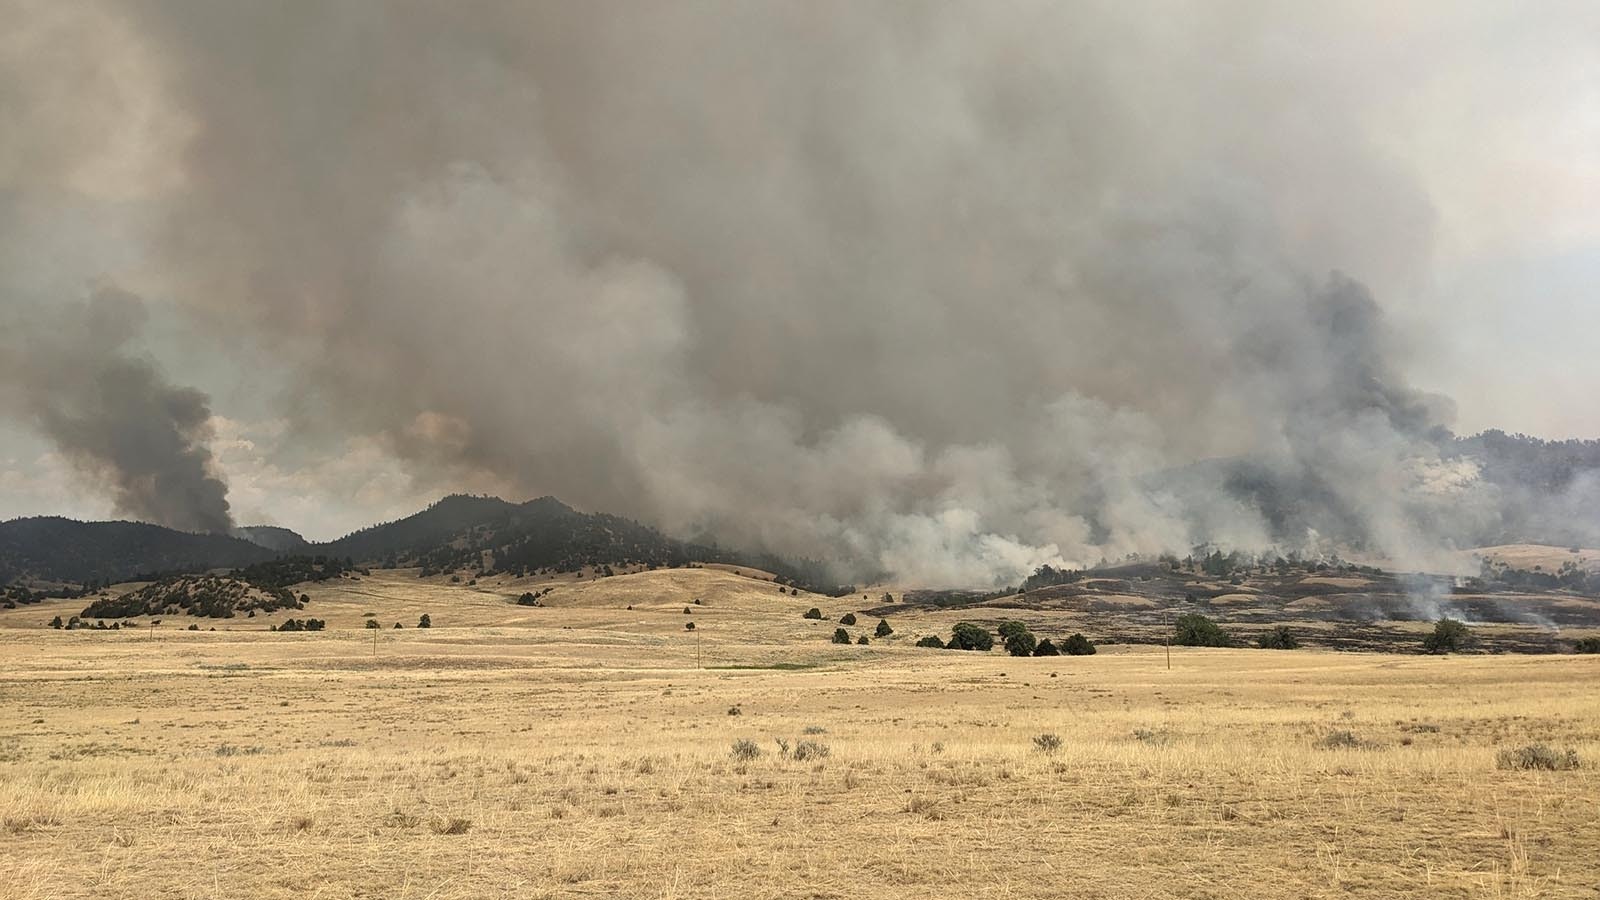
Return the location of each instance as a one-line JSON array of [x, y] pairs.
[[931, 286]]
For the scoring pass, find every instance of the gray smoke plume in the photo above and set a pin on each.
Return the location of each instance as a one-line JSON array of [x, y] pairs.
[[943, 290], [113, 414]]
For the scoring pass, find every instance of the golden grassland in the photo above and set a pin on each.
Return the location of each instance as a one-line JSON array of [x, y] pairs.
[[581, 748]]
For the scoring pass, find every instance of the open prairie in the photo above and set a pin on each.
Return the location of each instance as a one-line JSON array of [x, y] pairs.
[[583, 748]]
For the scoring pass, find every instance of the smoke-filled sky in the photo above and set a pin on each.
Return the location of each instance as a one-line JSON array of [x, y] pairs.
[[944, 290]]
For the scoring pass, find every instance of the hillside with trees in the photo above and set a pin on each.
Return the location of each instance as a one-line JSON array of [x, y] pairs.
[[64, 551]]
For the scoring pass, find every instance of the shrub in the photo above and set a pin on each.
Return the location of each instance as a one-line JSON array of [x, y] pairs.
[[840, 636], [1077, 645], [1537, 756], [1279, 638], [1047, 743], [1195, 630], [812, 613], [1046, 648], [847, 619], [744, 750], [862, 640], [967, 636], [688, 626], [425, 621], [931, 640], [686, 610], [883, 630], [804, 750], [1340, 740], [1021, 642], [372, 623], [1449, 636], [1582, 645], [527, 599], [56, 622]]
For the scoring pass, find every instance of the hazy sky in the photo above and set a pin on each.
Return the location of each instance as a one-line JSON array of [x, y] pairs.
[[904, 280]]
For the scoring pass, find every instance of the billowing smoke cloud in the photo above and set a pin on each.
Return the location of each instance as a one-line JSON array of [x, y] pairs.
[[112, 413], [945, 290]]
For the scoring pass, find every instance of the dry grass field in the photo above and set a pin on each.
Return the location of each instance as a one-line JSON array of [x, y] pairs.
[[583, 749]]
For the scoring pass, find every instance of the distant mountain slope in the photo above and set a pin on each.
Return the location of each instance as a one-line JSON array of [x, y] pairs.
[[272, 537], [56, 549], [462, 531], [493, 535], [459, 532], [448, 520]]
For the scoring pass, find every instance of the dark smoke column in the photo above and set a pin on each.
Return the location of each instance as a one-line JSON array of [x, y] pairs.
[[113, 414]]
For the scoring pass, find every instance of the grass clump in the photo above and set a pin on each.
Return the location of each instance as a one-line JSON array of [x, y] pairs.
[[744, 750], [451, 825], [1537, 756], [1340, 739], [1048, 742]]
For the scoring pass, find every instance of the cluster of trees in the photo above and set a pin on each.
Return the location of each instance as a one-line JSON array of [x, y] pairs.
[[841, 636], [531, 598], [210, 596], [1047, 575], [1195, 630], [291, 570], [1016, 638], [76, 623], [15, 595], [1569, 576], [298, 625]]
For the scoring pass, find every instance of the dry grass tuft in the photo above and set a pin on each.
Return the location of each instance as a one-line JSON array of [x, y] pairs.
[[1537, 756]]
